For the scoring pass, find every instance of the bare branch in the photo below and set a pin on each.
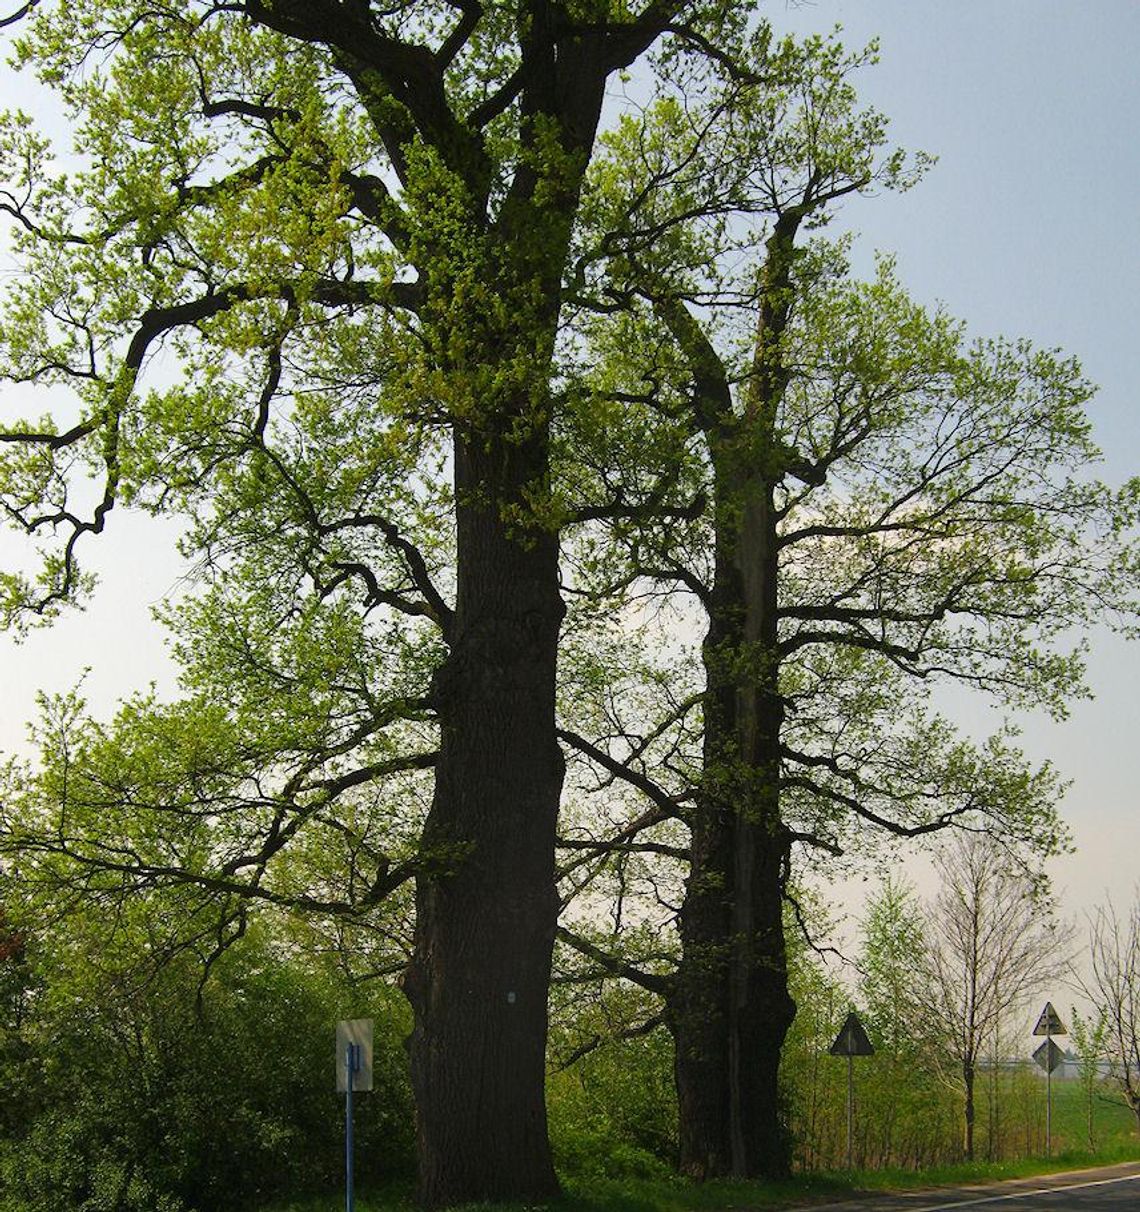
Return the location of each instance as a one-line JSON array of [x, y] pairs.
[[19, 14], [665, 802]]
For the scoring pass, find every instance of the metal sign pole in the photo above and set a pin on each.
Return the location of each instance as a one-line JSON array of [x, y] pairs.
[[352, 1066], [353, 1054], [1049, 1097], [850, 1104], [1049, 1056], [851, 1042]]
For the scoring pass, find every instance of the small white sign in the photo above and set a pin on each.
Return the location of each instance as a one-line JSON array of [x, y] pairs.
[[356, 1032]]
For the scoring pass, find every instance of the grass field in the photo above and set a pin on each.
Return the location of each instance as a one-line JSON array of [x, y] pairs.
[[1113, 1125]]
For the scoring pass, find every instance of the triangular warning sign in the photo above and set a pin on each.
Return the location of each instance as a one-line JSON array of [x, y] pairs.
[[1050, 1022], [852, 1039]]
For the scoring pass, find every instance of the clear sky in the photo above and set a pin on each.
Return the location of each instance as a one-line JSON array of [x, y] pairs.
[[1028, 225]]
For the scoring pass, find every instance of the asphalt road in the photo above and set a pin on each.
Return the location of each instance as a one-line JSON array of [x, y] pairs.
[[1110, 1189]]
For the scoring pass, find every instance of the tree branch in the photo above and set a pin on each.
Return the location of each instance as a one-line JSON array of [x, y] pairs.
[[636, 1032], [650, 981], [19, 14], [942, 821], [665, 802]]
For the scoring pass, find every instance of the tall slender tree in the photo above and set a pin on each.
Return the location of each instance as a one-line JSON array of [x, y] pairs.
[[907, 1092], [1114, 990], [881, 505], [993, 941]]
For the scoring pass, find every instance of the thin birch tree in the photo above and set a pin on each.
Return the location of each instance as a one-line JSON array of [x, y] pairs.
[[993, 940], [1114, 989]]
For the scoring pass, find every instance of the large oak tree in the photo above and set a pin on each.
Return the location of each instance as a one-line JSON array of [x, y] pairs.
[[868, 503], [304, 287]]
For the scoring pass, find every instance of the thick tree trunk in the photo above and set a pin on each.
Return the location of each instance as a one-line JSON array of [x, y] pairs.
[[729, 1016], [697, 1010], [485, 919], [731, 1009]]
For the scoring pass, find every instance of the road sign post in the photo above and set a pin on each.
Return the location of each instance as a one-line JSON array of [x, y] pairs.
[[353, 1072], [851, 1042], [352, 1067], [1049, 1056]]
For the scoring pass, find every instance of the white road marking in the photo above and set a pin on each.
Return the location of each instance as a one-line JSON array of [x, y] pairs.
[[996, 1199]]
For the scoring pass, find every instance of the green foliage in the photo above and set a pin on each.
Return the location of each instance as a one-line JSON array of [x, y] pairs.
[[612, 1106], [812, 1080], [595, 1129], [278, 287], [1090, 1040], [908, 1115], [936, 515], [163, 1094], [890, 961]]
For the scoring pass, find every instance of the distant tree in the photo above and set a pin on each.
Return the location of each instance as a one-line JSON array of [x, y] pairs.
[[892, 954], [993, 940], [1114, 989], [903, 1100], [1090, 1036]]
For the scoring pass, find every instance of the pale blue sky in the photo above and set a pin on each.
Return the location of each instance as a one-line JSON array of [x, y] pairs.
[[1026, 226], [1029, 225]]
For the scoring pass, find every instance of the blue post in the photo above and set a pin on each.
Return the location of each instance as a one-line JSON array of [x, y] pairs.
[[352, 1065]]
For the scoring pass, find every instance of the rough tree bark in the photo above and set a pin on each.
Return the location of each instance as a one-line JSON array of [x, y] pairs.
[[485, 922], [485, 917], [732, 1010]]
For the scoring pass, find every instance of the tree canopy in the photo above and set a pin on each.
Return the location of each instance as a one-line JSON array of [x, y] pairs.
[[860, 502], [304, 288], [355, 293]]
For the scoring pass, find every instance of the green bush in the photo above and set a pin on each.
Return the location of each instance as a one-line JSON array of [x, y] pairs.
[[613, 1111], [149, 1101]]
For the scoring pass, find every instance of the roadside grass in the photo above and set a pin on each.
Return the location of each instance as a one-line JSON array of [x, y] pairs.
[[658, 1195], [1114, 1131], [614, 1195]]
